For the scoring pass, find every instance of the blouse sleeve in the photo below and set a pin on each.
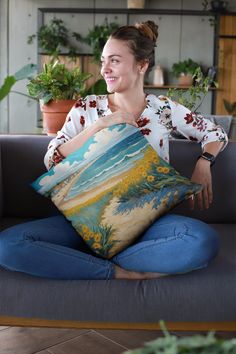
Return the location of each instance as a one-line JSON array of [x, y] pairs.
[[195, 127], [74, 124]]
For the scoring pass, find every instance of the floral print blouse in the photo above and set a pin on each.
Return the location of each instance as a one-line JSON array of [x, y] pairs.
[[160, 118]]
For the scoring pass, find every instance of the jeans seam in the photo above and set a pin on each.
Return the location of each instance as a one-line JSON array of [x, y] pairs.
[[110, 270]]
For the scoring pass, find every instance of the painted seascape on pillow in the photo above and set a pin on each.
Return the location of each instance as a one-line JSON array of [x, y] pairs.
[[113, 188]]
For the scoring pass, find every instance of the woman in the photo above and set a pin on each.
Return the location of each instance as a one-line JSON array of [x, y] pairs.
[[174, 244]]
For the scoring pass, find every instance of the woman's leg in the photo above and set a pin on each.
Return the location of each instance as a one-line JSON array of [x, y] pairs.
[[51, 248], [173, 244]]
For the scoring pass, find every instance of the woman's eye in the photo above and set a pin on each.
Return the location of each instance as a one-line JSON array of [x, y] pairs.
[[115, 61]]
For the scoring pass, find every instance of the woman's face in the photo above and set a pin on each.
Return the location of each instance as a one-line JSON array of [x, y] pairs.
[[119, 67]]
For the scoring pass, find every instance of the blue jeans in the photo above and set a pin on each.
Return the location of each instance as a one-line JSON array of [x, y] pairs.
[[51, 248]]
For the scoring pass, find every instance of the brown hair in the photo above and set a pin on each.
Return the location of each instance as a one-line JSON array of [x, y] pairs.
[[141, 40]]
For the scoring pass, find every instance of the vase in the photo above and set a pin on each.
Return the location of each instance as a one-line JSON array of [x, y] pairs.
[[158, 77], [135, 4], [54, 115]]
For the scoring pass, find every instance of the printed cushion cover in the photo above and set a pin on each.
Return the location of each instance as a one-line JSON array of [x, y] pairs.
[[113, 188]]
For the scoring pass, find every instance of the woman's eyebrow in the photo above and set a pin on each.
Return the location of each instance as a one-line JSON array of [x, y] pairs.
[[112, 55]]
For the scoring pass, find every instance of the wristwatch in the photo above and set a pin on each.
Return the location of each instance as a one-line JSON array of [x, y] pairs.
[[209, 157]]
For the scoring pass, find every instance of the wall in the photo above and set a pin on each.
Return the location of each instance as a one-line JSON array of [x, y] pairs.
[[180, 37]]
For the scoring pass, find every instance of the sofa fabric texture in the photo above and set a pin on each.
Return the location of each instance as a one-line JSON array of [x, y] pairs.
[[201, 296]]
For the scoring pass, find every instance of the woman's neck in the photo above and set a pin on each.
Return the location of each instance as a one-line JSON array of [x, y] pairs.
[[133, 103]]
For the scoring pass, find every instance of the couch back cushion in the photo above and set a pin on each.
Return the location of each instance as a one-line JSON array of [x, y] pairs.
[[183, 157], [22, 162]]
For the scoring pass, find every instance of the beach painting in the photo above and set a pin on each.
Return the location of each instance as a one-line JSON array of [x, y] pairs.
[[113, 188]]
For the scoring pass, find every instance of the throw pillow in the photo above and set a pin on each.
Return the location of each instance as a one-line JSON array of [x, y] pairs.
[[113, 188]]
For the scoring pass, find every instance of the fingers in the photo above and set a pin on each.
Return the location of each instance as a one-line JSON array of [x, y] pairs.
[[191, 202], [210, 194], [202, 199]]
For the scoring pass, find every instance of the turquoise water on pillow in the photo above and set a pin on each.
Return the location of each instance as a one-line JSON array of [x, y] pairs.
[[113, 162]]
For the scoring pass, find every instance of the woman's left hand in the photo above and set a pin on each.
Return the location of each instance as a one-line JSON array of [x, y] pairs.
[[202, 175]]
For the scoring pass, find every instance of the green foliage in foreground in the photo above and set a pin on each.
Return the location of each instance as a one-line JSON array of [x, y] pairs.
[[196, 344]]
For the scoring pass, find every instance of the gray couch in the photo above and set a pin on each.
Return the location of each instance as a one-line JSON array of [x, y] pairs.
[[201, 299]]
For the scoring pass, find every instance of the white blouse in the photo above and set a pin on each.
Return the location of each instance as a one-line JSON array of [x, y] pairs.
[[160, 118]]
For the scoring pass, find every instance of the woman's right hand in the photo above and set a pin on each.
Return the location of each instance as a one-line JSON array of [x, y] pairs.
[[117, 117]]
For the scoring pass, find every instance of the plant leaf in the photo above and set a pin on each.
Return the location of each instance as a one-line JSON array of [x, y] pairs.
[[6, 87], [26, 72]]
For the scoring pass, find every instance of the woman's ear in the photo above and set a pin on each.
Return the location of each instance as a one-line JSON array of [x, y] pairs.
[[143, 66]]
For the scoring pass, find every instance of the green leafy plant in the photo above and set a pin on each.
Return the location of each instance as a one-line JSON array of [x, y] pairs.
[[196, 344], [230, 107], [56, 82], [185, 67], [24, 73], [98, 88], [54, 36], [98, 36], [193, 97]]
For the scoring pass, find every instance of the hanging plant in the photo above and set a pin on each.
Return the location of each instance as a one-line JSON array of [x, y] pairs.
[[53, 37]]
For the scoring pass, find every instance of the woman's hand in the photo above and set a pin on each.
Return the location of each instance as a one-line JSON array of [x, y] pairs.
[[202, 175], [117, 117]]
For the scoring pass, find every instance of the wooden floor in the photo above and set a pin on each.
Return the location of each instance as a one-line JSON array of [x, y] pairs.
[[28, 340]]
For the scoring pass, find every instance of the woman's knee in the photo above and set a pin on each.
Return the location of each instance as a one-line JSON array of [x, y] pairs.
[[11, 241], [205, 242]]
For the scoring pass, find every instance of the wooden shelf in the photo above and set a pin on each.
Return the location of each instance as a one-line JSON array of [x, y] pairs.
[[173, 86]]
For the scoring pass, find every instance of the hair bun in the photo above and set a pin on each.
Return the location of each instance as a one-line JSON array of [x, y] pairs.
[[148, 29]]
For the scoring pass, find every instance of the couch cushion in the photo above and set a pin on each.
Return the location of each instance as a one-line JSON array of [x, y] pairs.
[[22, 162], [25, 154], [203, 295]]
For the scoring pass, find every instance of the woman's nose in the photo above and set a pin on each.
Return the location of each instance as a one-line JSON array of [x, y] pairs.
[[105, 67]]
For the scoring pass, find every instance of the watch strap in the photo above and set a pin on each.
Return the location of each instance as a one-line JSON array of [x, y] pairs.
[[207, 156]]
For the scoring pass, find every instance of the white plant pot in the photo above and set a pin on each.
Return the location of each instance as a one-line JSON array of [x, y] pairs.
[[135, 4]]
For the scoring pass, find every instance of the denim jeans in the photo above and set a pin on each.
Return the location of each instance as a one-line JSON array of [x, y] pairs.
[[51, 248]]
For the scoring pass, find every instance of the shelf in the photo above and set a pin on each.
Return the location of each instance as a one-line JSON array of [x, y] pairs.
[[128, 11], [173, 86]]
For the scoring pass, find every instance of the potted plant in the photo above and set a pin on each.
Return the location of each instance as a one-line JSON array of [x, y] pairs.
[[215, 5], [57, 88], [193, 97], [98, 36], [135, 4], [184, 71], [54, 37]]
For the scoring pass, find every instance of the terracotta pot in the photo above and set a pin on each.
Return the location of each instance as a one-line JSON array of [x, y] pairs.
[[54, 115], [185, 80]]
